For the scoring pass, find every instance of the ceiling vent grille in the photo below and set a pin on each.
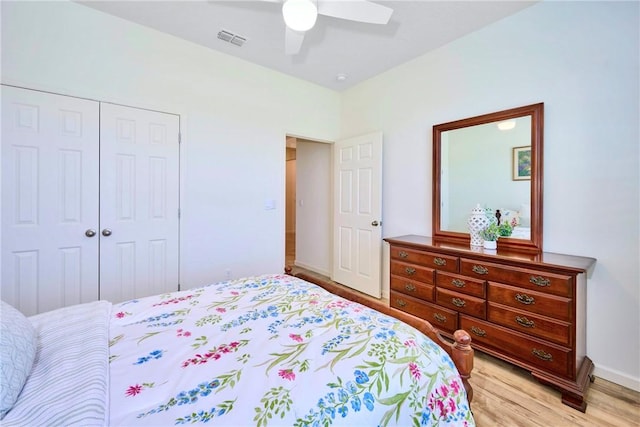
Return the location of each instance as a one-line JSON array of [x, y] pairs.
[[229, 37]]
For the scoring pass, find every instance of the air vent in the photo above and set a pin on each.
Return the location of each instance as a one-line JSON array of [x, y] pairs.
[[231, 38]]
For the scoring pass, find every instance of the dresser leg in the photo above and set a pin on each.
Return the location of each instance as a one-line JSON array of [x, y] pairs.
[[573, 393], [574, 402]]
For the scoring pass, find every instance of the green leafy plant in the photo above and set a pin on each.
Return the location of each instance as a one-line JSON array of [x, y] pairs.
[[491, 232], [505, 229]]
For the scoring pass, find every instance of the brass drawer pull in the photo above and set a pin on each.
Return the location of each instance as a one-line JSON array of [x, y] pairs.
[[410, 287], [458, 283], [458, 302], [540, 281], [439, 261], [523, 321], [480, 269], [479, 332], [403, 254], [525, 299], [541, 354], [401, 303], [410, 271], [439, 317]]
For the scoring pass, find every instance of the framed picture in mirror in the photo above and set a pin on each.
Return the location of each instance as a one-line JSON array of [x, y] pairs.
[[522, 163]]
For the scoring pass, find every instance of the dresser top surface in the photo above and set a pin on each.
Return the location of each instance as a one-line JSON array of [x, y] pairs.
[[543, 259]]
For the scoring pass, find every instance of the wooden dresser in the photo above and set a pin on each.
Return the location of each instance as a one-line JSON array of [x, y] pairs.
[[527, 309]]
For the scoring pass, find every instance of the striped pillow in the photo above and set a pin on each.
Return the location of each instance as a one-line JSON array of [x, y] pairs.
[[70, 378], [18, 343]]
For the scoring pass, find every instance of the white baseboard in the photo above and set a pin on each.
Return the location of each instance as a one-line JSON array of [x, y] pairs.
[[617, 377], [312, 268]]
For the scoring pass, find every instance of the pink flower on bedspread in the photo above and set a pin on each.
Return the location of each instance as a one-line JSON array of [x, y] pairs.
[[221, 310], [455, 385], [215, 353], [133, 390], [121, 314], [339, 304], [287, 374], [295, 337], [182, 333], [174, 300], [410, 343], [415, 371]]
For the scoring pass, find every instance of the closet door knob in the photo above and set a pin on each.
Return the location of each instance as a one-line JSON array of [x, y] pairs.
[[106, 232], [90, 233]]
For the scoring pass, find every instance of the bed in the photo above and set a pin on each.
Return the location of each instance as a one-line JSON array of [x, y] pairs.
[[270, 350]]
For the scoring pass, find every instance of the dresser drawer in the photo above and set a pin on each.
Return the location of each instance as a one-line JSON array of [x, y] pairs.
[[412, 271], [441, 318], [413, 288], [461, 302], [462, 284], [528, 323], [536, 352], [531, 301], [530, 279], [428, 259]]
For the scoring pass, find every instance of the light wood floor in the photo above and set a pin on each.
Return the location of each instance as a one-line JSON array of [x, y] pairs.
[[505, 395]]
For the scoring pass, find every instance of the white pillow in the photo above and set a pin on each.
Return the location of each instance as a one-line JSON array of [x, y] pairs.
[[525, 215], [18, 344]]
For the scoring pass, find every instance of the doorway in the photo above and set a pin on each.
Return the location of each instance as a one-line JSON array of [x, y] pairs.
[[290, 203], [308, 241]]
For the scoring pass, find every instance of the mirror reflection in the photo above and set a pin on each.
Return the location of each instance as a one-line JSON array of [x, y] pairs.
[[494, 161], [489, 165]]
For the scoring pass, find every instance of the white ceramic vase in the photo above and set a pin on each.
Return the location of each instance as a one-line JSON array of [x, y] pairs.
[[490, 244], [477, 222]]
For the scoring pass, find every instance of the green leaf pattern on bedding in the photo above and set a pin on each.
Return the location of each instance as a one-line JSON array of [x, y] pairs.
[[274, 350]]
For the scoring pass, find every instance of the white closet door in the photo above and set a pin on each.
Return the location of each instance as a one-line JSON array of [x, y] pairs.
[[139, 193], [49, 200]]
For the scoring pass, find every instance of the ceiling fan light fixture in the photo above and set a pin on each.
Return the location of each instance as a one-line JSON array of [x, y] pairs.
[[507, 125], [300, 15]]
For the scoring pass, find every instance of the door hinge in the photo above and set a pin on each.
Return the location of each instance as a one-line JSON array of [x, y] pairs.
[[179, 213], [179, 138]]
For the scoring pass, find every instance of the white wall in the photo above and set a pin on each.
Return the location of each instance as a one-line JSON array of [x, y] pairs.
[[581, 60], [235, 116]]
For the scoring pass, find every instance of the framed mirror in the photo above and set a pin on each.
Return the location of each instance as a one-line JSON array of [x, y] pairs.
[[495, 161]]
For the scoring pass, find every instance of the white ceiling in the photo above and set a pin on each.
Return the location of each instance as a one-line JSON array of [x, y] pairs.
[[334, 46]]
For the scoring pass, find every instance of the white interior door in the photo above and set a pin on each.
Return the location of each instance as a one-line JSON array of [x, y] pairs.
[[139, 200], [49, 200], [357, 224]]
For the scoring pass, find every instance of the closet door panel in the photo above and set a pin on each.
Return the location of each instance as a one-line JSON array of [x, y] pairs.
[[139, 177], [49, 200]]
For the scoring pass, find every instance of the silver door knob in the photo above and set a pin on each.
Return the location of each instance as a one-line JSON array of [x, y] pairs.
[[106, 232], [375, 223], [90, 233]]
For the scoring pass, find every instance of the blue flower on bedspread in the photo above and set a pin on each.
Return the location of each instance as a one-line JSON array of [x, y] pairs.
[[156, 354]]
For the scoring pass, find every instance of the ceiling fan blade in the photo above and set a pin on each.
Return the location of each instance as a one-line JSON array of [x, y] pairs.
[[292, 41], [355, 10]]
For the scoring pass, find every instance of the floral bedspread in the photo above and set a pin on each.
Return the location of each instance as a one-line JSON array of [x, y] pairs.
[[275, 350]]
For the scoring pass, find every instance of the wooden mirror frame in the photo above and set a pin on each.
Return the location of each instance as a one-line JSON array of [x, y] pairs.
[[536, 111]]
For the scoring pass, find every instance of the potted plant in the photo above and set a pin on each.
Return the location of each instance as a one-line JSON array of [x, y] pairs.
[[505, 229], [490, 235]]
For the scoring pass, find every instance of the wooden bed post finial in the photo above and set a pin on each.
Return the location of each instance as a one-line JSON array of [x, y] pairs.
[[462, 355]]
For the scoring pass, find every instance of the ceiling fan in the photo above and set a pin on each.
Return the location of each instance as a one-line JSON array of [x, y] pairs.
[[300, 16]]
